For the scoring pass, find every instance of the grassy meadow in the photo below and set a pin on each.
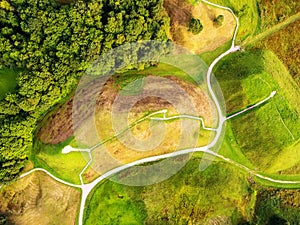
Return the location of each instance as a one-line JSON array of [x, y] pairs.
[[64, 166], [271, 128], [272, 14], [184, 198], [111, 204], [8, 81], [162, 70], [284, 44], [220, 193]]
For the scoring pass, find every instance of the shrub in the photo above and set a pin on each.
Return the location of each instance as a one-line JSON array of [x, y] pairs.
[[195, 26], [218, 21]]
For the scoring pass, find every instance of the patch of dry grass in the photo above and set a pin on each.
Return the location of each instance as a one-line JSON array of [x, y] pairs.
[[147, 138], [38, 199], [211, 37]]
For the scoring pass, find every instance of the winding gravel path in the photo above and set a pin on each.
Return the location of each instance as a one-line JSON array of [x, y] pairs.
[[165, 118]]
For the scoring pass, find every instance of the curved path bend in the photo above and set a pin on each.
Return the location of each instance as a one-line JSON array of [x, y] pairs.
[[165, 118], [51, 175]]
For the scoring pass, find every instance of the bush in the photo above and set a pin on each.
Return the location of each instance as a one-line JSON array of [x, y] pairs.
[[218, 21], [195, 26], [3, 220]]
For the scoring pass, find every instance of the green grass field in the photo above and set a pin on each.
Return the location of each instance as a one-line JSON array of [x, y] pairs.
[[209, 57], [64, 166], [247, 78], [189, 196], [232, 150], [284, 44], [164, 69], [220, 193], [111, 204], [8, 81]]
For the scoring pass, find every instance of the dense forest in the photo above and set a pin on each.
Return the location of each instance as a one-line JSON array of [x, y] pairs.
[[51, 45]]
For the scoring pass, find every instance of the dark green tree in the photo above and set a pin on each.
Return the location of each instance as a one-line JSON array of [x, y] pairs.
[[3, 220], [195, 26]]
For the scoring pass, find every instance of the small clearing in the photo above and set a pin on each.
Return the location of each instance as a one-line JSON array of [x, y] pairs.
[[211, 37]]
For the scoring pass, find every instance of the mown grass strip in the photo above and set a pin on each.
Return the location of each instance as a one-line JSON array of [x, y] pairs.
[[251, 40]]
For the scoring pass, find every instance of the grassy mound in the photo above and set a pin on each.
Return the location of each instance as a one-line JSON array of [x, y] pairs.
[[38, 199], [285, 44], [64, 166], [48, 155], [190, 196], [222, 194], [263, 133]]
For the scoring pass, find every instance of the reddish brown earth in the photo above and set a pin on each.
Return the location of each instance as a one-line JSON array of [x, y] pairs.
[[58, 126]]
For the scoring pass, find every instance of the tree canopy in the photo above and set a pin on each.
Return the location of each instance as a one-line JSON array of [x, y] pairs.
[[52, 45]]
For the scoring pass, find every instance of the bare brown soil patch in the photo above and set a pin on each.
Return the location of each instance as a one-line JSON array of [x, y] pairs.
[[211, 37], [58, 126], [168, 137], [179, 11], [38, 199]]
